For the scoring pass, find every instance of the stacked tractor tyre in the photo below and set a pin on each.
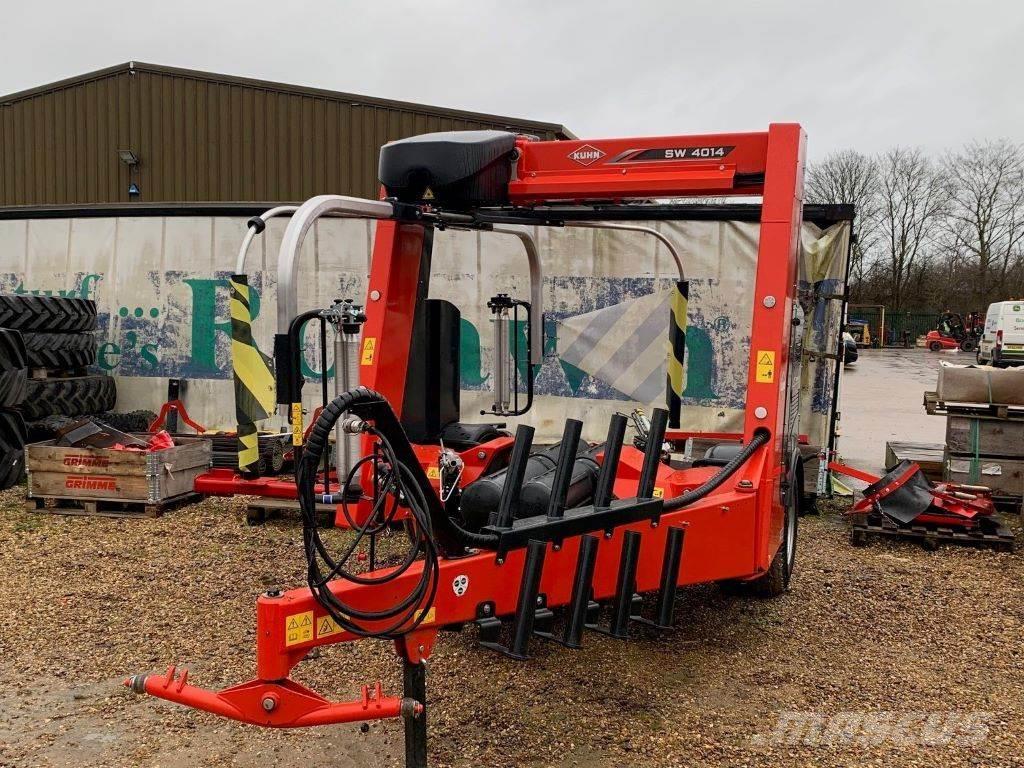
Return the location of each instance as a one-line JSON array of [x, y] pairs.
[[47, 350]]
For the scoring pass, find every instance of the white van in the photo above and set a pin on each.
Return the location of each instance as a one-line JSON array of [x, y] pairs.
[[1002, 343]]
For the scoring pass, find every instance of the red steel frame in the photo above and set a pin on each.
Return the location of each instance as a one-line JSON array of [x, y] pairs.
[[733, 533]]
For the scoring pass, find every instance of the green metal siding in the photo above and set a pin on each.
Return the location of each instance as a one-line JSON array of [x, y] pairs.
[[203, 137]]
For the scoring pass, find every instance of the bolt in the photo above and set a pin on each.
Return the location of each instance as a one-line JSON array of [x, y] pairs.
[[374, 295], [745, 484], [275, 592], [420, 648], [540, 600], [654, 523], [769, 301], [481, 454], [269, 703], [556, 547], [486, 610]]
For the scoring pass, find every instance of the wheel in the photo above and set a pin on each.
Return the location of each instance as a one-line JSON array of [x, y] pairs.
[[48, 314], [75, 396], [775, 581], [12, 369], [12, 449], [858, 537], [967, 345], [934, 346], [977, 356], [60, 350]]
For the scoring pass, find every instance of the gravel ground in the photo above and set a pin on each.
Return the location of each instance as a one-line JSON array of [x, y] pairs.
[[888, 628]]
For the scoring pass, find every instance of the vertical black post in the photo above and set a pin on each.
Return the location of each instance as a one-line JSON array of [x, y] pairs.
[[577, 618], [563, 469], [610, 463], [669, 577], [414, 685], [652, 454], [173, 393], [526, 608], [625, 587], [508, 504]]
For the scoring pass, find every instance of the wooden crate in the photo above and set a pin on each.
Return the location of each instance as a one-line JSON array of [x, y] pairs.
[[984, 436], [1004, 476], [99, 474], [928, 456]]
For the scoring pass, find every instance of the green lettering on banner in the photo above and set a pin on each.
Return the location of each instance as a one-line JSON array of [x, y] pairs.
[[205, 325]]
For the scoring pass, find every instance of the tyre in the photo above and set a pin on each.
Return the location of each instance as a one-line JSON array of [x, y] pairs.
[[775, 581], [934, 346], [12, 369], [967, 345], [75, 396], [12, 449], [60, 350], [48, 314]]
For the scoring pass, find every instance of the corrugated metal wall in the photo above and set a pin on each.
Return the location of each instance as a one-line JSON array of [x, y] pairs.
[[201, 137]]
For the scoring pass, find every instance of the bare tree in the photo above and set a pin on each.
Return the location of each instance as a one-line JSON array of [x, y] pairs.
[[914, 196], [985, 224], [852, 178]]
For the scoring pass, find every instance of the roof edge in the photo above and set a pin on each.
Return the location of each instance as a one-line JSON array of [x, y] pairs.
[[140, 66]]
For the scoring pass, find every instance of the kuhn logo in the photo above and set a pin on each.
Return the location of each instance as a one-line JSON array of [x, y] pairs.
[[586, 155]]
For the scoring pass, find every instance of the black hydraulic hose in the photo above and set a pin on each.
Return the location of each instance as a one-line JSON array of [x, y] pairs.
[[406, 612], [761, 437]]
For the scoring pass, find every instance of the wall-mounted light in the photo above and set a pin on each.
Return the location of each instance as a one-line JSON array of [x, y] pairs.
[[128, 157]]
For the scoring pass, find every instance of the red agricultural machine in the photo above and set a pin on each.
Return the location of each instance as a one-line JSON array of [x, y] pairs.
[[527, 545]]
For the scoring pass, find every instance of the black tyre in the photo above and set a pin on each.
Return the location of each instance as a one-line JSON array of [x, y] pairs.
[[60, 350], [48, 314], [775, 581], [12, 369], [934, 346], [46, 429], [75, 396], [12, 449], [967, 345]]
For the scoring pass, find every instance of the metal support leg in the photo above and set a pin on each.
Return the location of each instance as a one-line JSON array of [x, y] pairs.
[[626, 600], [526, 607], [670, 566], [414, 684]]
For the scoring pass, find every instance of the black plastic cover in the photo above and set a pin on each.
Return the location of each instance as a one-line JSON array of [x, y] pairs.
[[454, 169]]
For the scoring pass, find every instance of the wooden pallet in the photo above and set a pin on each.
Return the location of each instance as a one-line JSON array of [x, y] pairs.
[[67, 505], [934, 406], [989, 533], [258, 512]]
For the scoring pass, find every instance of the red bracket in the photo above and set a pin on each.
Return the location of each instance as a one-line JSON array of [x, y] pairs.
[[174, 405]]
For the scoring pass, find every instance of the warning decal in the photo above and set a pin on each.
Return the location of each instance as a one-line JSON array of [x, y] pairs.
[[765, 373], [326, 626], [427, 615], [298, 628], [659, 493], [433, 473], [369, 349]]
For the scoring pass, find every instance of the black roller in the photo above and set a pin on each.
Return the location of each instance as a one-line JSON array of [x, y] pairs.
[[480, 499], [536, 495]]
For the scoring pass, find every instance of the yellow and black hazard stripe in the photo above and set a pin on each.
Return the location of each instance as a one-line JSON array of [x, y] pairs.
[[676, 378], [253, 375]]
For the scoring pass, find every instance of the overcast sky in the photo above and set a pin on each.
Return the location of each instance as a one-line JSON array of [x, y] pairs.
[[856, 74]]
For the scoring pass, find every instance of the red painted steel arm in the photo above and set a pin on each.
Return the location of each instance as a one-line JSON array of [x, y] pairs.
[[274, 704]]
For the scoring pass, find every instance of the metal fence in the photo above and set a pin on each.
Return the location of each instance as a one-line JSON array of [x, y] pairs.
[[899, 328]]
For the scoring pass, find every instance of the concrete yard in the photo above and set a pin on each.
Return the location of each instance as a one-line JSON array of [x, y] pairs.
[[881, 400], [888, 631]]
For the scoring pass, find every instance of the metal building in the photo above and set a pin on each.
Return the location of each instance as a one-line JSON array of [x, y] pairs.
[[159, 134]]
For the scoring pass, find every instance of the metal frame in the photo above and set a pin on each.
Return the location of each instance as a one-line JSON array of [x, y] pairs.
[[733, 530]]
